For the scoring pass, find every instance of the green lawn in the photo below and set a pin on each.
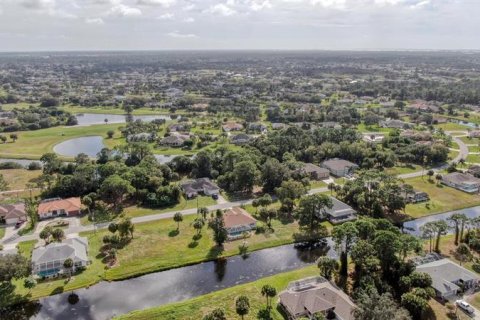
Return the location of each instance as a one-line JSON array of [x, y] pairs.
[[203, 201], [473, 149], [442, 198], [475, 158], [450, 126], [33, 144], [317, 184], [197, 307], [156, 246], [468, 140], [2, 232], [403, 169], [363, 128], [113, 110]]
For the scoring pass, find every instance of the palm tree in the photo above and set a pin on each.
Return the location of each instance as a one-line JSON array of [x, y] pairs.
[[198, 225], [456, 220], [269, 292], [327, 266], [178, 217], [242, 306], [68, 264]]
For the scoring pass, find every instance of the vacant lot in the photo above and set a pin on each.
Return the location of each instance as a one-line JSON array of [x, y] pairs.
[[19, 178], [442, 198]]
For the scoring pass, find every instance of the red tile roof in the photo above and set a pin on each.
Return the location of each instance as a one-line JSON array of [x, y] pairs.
[[237, 217], [69, 205]]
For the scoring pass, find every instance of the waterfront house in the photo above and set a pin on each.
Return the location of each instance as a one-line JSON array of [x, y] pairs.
[[462, 181], [47, 262], [59, 207], [339, 212], [237, 221], [448, 278], [193, 188], [316, 295], [339, 167], [12, 213]]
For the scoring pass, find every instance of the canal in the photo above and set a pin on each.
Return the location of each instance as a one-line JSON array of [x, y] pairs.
[[108, 299]]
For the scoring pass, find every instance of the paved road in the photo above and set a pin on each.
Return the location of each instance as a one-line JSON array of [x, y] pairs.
[[76, 227]]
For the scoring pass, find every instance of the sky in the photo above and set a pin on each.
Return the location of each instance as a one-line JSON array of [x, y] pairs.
[[58, 25]]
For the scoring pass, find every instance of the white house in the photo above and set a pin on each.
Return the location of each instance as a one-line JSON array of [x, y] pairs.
[[47, 262]]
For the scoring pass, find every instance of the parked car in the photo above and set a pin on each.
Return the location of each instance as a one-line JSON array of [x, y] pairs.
[[215, 196], [19, 223], [465, 306]]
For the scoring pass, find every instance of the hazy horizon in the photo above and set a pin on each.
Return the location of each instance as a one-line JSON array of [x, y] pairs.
[[298, 25]]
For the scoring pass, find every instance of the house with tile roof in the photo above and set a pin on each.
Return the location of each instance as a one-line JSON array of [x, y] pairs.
[[12, 213], [237, 221], [59, 207], [316, 295], [47, 262]]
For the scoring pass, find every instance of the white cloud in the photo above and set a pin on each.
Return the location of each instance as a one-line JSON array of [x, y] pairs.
[[163, 3], [420, 4], [260, 5], [166, 16], [189, 7], [98, 21], [335, 4], [125, 11], [221, 9], [189, 20], [176, 34]]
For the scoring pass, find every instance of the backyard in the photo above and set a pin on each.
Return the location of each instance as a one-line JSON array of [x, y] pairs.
[[442, 198]]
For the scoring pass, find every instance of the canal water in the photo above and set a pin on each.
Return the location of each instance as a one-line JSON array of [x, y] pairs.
[[414, 226], [108, 299]]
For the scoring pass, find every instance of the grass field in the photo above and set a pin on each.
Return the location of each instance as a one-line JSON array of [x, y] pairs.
[[33, 144], [203, 201], [196, 308], [442, 198], [401, 169], [473, 158], [468, 140], [450, 126], [18, 178], [2, 232]]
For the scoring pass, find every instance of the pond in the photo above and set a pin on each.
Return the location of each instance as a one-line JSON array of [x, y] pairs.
[[72, 147], [87, 119], [108, 299]]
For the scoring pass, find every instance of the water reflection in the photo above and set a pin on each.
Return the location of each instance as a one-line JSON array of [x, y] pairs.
[[105, 300], [88, 145], [87, 119]]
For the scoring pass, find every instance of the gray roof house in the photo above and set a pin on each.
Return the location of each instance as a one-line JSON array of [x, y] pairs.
[[462, 181], [240, 139], [174, 140], [315, 172], [340, 212], [448, 278], [310, 296], [199, 186], [394, 123], [339, 167], [48, 261]]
